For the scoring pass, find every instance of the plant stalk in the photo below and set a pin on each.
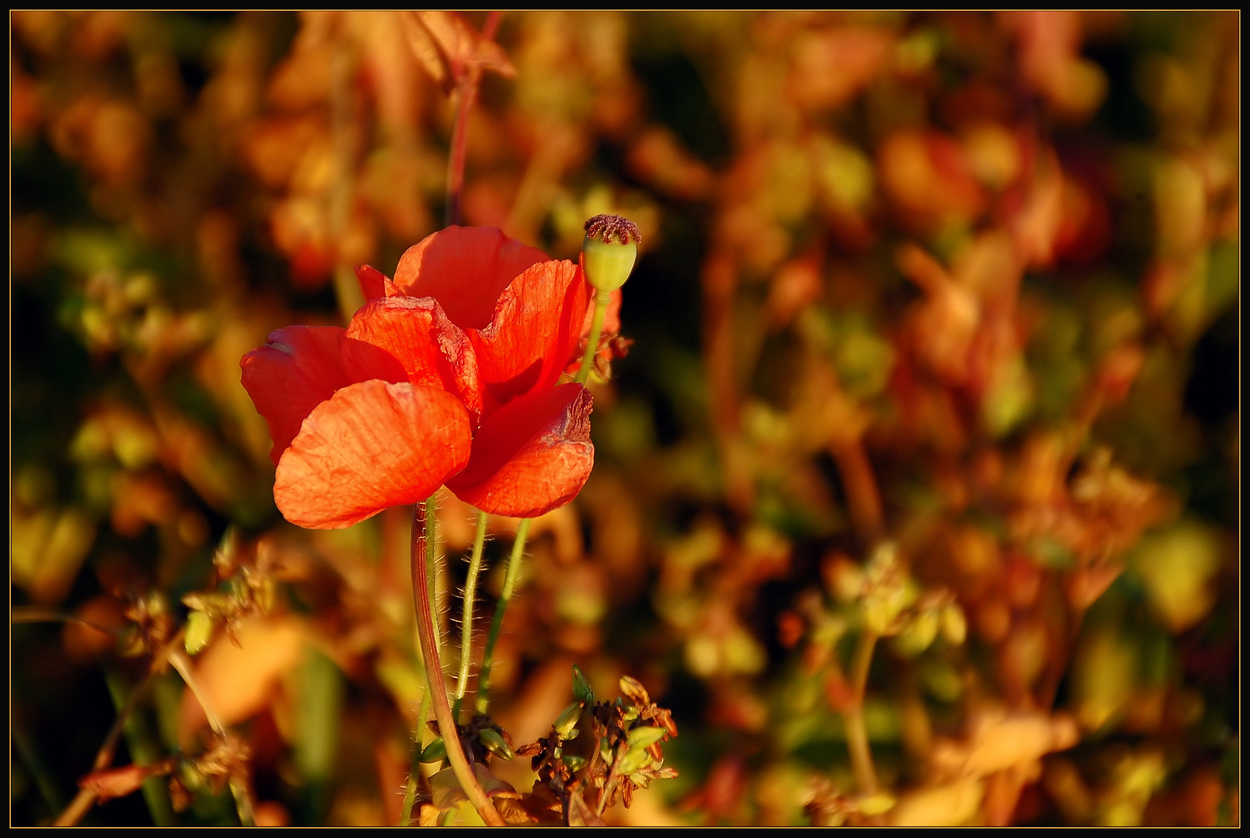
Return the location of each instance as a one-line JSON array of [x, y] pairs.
[[509, 583], [592, 342], [466, 621], [856, 732], [423, 537]]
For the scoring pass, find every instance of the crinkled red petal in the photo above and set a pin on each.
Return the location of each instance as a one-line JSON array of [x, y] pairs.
[[465, 269], [433, 352], [372, 282], [531, 455], [371, 446], [536, 325], [301, 367]]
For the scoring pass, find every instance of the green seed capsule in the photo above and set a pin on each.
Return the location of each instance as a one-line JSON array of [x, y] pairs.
[[609, 251]]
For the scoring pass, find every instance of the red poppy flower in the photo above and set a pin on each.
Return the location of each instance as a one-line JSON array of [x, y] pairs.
[[449, 374]]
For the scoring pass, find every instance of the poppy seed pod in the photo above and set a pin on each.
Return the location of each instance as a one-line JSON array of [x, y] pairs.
[[609, 251]]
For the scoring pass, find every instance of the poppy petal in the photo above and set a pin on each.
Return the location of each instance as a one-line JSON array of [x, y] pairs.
[[536, 326], [374, 283], [301, 367], [371, 446], [465, 269], [433, 352], [531, 455]]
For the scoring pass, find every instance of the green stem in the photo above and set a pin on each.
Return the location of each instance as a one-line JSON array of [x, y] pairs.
[[509, 583], [466, 621], [414, 770], [144, 750], [856, 732], [592, 344], [422, 583]]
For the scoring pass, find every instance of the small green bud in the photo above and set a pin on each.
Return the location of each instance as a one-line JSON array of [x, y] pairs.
[[954, 626], [633, 689], [436, 751], [635, 759], [199, 631], [876, 804], [581, 687], [918, 633], [495, 743], [645, 737], [609, 251], [566, 724], [877, 617], [574, 763]]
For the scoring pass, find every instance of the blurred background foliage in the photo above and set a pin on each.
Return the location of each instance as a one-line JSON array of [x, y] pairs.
[[936, 338]]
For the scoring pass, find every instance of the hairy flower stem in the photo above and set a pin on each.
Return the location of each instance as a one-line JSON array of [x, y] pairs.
[[414, 770], [856, 732], [509, 584], [592, 342], [466, 621], [424, 536]]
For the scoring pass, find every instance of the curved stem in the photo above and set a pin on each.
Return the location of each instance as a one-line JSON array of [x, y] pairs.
[[466, 621], [592, 341], [422, 579], [413, 786], [856, 732], [509, 583]]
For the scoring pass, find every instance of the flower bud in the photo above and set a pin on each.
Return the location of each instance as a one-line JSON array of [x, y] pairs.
[[199, 631], [581, 687], [954, 626], [566, 725], [496, 744], [436, 751], [645, 737], [918, 633], [609, 251]]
